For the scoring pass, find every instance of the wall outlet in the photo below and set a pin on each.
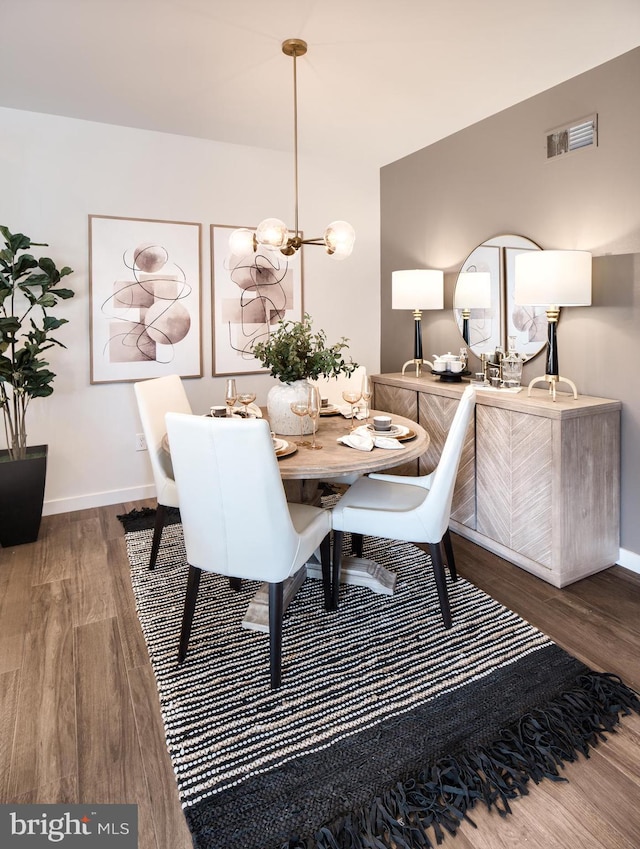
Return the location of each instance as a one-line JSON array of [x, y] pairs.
[[141, 442]]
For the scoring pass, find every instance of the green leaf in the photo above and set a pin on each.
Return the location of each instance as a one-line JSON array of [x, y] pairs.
[[63, 294]]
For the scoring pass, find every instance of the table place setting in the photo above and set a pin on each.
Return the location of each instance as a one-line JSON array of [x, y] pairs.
[[367, 437]]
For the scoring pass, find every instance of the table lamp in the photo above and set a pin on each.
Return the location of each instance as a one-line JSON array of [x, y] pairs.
[[417, 289], [473, 291], [553, 279]]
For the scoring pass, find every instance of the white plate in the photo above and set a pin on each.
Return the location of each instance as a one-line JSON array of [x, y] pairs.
[[394, 430], [279, 444]]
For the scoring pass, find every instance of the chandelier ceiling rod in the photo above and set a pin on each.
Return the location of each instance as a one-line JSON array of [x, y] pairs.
[[295, 47]]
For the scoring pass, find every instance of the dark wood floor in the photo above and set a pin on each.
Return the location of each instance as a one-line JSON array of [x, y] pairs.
[[80, 719]]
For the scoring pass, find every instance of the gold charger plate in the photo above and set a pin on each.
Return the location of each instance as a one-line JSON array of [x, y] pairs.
[[290, 448], [332, 411], [411, 435]]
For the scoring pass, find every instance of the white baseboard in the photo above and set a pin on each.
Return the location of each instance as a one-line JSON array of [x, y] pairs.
[[97, 499], [629, 560]]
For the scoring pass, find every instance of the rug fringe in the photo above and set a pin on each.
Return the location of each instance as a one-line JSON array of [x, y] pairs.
[[421, 810]]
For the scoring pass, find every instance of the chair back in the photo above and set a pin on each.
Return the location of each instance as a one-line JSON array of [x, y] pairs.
[[233, 507], [155, 398], [436, 508], [333, 387]]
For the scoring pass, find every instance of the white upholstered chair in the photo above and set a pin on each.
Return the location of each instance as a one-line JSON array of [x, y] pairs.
[[412, 509], [332, 388], [235, 516], [155, 398]]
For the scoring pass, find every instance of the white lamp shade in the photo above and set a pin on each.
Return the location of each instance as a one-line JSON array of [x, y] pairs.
[[553, 278], [417, 289], [473, 290]]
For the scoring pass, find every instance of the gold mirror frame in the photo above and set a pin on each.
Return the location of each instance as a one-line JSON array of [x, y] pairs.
[[491, 327]]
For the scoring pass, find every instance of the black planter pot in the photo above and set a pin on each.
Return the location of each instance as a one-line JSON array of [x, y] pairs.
[[22, 496]]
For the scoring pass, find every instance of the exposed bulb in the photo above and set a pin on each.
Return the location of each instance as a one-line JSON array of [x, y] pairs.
[[272, 233], [339, 238], [241, 242]]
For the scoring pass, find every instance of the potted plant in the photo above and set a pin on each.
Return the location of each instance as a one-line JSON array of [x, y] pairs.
[[29, 288], [295, 353]]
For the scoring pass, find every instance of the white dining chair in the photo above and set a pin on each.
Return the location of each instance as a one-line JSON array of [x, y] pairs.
[[235, 516], [332, 388], [411, 509], [155, 398]]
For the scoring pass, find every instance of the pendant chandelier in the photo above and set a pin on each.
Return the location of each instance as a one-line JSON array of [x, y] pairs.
[[273, 233]]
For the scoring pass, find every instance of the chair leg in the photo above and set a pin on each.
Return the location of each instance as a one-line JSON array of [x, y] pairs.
[[193, 584], [325, 559], [275, 633], [336, 566], [451, 561], [441, 582], [161, 513], [235, 584], [357, 541]]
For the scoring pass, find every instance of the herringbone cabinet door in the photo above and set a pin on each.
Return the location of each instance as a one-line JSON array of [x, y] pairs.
[[401, 402], [513, 467], [435, 414]]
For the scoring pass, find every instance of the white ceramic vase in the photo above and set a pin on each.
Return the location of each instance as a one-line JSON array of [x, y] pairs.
[[281, 419]]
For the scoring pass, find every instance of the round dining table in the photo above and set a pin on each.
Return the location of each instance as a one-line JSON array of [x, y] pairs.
[[302, 472], [336, 459]]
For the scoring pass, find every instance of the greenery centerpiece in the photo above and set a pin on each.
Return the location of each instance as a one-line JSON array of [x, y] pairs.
[[295, 353], [29, 287]]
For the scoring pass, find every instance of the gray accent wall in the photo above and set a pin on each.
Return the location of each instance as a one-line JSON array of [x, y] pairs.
[[493, 178]]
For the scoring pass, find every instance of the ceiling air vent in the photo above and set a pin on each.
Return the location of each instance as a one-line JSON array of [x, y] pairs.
[[573, 136]]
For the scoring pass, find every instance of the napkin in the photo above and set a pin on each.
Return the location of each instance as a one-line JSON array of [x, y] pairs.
[[345, 410], [367, 442]]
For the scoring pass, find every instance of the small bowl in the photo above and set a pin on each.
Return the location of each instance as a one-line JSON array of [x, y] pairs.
[[382, 423], [218, 412]]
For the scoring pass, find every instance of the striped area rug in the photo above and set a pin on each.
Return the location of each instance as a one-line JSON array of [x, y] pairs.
[[386, 729]]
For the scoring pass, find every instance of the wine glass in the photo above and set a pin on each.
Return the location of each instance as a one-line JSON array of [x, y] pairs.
[[352, 396], [301, 407], [367, 391], [230, 395], [314, 402], [246, 398]]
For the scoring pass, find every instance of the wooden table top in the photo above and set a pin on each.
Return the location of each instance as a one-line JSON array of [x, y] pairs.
[[336, 459]]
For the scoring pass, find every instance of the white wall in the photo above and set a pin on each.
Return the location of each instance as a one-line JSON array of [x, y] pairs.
[[57, 171]]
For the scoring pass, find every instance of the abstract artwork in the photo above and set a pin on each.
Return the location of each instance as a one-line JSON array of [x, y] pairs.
[[250, 295], [145, 294]]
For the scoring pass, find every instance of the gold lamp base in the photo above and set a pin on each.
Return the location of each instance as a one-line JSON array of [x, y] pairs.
[[553, 380], [415, 362]]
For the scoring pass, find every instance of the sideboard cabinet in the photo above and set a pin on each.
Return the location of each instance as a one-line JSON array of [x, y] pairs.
[[539, 481]]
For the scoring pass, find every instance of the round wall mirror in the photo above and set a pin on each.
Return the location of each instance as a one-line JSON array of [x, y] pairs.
[[484, 308]]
